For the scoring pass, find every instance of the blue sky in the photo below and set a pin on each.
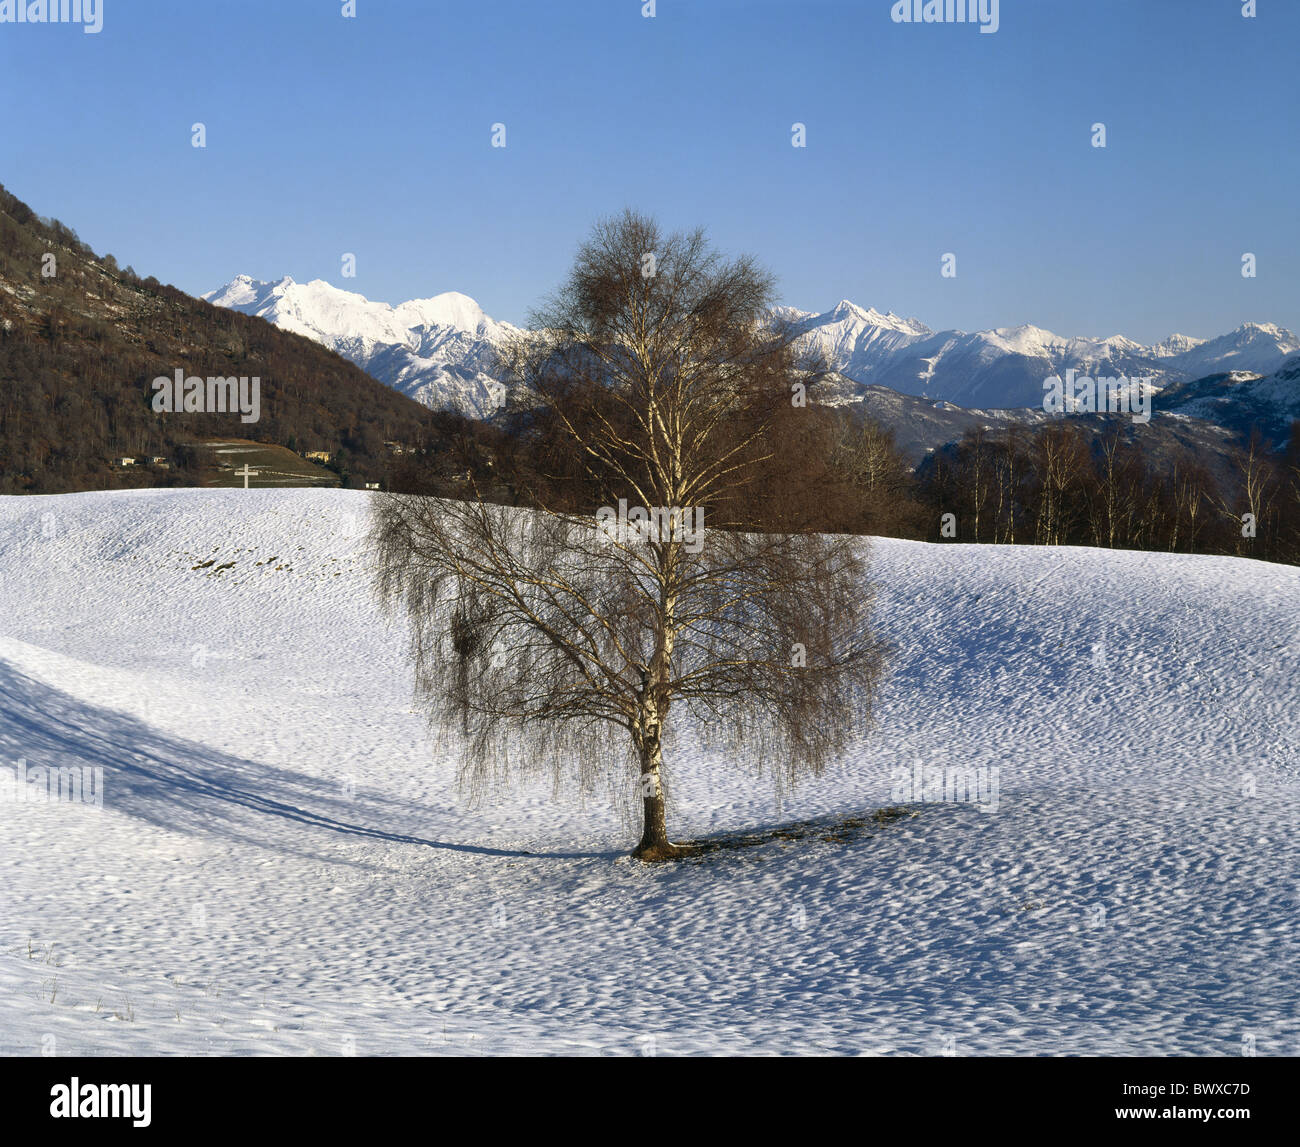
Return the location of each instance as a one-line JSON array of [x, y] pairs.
[[372, 135]]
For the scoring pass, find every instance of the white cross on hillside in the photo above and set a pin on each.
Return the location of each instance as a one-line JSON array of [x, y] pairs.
[[246, 473]]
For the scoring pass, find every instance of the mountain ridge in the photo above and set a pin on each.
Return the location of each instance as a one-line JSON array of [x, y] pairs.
[[441, 350]]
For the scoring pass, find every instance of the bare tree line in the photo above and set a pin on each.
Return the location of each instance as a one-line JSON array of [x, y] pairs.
[[1061, 486]]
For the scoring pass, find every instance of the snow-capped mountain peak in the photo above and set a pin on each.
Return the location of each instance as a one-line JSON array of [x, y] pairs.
[[849, 312], [449, 309], [1259, 348], [846, 310], [1174, 345], [438, 350]]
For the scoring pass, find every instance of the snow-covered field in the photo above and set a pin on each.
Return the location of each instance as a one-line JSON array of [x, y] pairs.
[[281, 867]]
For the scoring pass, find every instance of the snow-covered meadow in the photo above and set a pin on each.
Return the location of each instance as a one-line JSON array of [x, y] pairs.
[[281, 866]]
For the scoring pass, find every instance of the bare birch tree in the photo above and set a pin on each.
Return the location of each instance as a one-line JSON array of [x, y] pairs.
[[656, 380]]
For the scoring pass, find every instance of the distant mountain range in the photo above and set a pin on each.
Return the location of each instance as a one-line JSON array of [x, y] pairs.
[[440, 350], [1005, 367]]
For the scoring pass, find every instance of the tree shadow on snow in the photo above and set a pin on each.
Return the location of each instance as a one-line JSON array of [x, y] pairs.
[[186, 786]]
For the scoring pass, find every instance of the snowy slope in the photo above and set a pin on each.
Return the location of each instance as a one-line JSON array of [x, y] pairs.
[[281, 867]]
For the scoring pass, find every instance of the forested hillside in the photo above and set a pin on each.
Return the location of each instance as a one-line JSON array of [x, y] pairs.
[[81, 340]]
